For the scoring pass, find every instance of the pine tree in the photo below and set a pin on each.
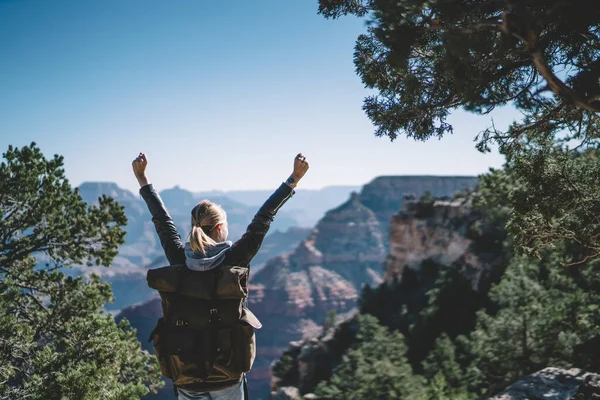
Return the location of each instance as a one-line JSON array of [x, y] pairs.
[[426, 59], [56, 342], [375, 367]]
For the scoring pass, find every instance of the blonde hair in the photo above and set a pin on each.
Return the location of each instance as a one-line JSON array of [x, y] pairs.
[[206, 215]]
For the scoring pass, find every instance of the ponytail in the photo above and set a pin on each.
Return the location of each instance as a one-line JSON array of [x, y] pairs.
[[206, 215], [199, 240]]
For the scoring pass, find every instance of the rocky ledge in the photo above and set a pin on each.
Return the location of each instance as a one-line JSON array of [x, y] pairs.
[[554, 384]]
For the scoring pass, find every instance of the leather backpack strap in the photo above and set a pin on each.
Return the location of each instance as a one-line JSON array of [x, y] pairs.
[[245, 301], [214, 318]]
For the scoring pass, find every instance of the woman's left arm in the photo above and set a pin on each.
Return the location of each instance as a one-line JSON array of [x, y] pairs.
[[246, 248], [163, 223]]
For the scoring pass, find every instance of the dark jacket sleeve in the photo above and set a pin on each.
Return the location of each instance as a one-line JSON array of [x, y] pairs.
[[167, 232], [246, 248]]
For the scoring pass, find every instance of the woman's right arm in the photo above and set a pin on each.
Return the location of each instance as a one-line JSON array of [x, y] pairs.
[[163, 223]]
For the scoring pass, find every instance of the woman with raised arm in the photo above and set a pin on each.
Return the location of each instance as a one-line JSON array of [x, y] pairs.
[[210, 375]]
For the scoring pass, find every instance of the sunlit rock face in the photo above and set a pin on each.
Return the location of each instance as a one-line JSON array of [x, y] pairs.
[[445, 233], [424, 234]]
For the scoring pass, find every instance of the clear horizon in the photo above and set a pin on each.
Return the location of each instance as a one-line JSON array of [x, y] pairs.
[[219, 96]]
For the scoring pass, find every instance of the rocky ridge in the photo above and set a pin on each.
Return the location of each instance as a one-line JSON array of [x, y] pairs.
[[385, 194]]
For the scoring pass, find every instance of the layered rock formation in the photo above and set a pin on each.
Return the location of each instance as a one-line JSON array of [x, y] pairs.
[[276, 243], [554, 384], [293, 294]]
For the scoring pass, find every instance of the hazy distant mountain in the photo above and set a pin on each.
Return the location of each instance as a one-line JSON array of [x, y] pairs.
[[308, 206]]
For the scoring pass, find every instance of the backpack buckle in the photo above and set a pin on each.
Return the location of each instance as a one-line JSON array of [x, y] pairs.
[[213, 311], [180, 322]]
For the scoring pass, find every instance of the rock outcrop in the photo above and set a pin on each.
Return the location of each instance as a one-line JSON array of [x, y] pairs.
[[308, 361], [554, 384], [445, 233]]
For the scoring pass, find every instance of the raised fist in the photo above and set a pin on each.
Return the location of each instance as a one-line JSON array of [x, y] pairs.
[[139, 165], [300, 167]]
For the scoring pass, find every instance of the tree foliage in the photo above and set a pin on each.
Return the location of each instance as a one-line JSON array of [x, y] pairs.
[[439, 301], [556, 200], [427, 58], [56, 342], [373, 368], [546, 313]]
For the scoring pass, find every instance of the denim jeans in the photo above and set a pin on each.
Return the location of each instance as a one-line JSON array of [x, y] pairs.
[[235, 392]]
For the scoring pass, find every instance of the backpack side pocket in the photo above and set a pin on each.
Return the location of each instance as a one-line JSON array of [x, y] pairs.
[[245, 340], [159, 342]]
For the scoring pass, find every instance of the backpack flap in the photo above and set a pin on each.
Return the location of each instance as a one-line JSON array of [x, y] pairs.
[[251, 319], [163, 279], [232, 284]]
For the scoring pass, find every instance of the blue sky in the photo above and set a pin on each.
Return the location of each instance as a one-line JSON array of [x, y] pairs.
[[219, 95]]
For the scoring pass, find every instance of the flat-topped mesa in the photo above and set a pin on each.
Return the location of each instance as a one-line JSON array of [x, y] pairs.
[[327, 270], [384, 195]]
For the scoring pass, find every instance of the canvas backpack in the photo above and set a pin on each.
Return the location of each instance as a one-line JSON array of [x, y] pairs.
[[206, 335]]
